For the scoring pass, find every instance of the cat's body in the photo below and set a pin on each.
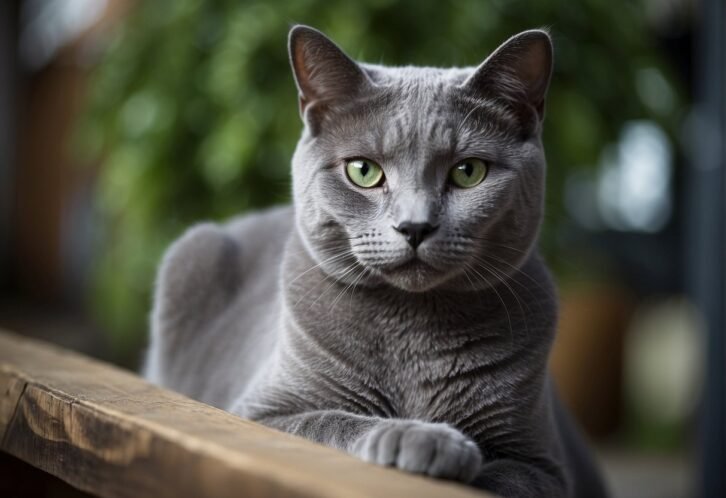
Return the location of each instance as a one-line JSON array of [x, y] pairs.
[[319, 321]]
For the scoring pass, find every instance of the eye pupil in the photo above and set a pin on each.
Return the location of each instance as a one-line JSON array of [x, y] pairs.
[[364, 169], [468, 169]]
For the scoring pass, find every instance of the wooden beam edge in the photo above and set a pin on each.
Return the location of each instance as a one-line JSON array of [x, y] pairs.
[[56, 405]]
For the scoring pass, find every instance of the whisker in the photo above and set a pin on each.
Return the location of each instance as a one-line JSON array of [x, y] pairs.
[[523, 273], [492, 243], [326, 278], [335, 257], [466, 274], [504, 304], [499, 274], [349, 269], [493, 271], [342, 293], [365, 272]]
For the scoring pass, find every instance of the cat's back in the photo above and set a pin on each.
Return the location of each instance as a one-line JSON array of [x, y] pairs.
[[270, 225], [261, 236], [216, 309]]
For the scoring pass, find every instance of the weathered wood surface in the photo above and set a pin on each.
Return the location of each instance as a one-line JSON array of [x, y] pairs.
[[107, 431], [21, 480]]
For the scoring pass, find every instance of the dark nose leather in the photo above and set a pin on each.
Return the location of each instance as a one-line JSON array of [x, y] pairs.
[[415, 233]]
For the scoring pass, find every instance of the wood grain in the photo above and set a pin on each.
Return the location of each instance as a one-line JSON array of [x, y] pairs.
[[108, 432]]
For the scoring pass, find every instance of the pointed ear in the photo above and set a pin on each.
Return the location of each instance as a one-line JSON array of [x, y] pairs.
[[323, 73], [518, 71]]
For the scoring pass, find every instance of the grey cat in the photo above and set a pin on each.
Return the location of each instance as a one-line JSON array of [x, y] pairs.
[[399, 310]]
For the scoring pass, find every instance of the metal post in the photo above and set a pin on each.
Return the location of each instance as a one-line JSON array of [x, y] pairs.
[[8, 119], [706, 237]]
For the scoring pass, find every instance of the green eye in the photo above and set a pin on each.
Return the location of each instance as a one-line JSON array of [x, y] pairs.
[[364, 173], [469, 173]]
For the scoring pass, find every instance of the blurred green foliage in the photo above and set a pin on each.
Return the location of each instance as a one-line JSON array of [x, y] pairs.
[[193, 109]]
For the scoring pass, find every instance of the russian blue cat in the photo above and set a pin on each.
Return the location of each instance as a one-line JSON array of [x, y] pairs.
[[398, 310]]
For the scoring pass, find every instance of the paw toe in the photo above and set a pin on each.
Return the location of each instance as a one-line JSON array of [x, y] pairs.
[[418, 449]]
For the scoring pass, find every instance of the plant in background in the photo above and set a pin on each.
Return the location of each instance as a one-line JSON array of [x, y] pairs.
[[194, 112]]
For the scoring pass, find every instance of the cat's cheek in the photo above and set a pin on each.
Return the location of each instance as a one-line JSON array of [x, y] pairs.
[[339, 196]]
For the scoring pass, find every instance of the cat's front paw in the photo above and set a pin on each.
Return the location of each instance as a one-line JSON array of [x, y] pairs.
[[437, 450]]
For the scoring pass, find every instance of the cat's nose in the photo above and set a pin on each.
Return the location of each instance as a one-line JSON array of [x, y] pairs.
[[415, 233]]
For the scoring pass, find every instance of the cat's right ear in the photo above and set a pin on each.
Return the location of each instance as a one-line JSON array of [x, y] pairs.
[[519, 71], [324, 74]]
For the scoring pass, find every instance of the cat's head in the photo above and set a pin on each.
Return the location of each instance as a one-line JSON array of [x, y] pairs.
[[420, 177]]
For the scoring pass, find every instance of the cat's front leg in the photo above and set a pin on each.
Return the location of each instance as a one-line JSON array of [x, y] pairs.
[[436, 450], [515, 479]]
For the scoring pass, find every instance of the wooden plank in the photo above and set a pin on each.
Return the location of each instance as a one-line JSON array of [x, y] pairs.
[[108, 432], [21, 480]]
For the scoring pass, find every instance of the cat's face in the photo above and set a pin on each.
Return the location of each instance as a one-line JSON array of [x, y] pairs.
[[420, 177]]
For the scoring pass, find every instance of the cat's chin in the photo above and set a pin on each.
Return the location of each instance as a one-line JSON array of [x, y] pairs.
[[414, 276]]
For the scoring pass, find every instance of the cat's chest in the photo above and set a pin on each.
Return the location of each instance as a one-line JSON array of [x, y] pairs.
[[432, 357], [427, 363], [430, 379]]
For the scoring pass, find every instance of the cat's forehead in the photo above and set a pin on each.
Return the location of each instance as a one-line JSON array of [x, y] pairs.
[[420, 110], [435, 97], [421, 76], [419, 90]]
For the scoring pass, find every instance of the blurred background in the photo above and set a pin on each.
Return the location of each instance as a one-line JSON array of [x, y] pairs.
[[122, 122]]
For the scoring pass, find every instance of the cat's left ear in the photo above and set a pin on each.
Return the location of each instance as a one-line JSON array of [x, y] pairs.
[[519, 71], [324, 74]]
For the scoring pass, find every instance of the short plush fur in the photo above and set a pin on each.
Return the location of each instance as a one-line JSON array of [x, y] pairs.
[[323, 320]]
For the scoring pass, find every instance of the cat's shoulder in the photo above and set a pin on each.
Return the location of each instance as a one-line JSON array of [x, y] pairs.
[[265, 222]]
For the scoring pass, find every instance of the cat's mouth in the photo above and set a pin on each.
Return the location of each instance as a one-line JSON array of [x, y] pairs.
[[414, 274], [413, 264]]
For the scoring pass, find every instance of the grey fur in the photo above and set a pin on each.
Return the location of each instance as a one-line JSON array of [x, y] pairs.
[[318, 320]]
